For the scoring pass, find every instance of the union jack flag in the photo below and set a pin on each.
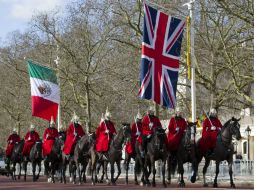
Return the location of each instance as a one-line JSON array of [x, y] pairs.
[[161, 46]]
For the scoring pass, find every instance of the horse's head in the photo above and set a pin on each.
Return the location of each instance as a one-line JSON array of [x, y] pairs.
[[189, 131], [235, 128], [159, 136], [37, 149], [92, 137], [126, 131]]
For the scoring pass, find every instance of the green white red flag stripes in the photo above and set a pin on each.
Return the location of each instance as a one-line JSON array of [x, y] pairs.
[[44, 91]]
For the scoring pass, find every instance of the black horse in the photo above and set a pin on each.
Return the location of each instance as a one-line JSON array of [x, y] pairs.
[[114, 154], [156, 150], [53, 161], [186, 152], [35, 157], [224, 150], [16, 158], [81, 156]]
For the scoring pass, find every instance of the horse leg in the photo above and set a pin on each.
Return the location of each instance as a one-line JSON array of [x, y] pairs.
[[207, 162], [127, 161], [119, 170], [73, 171], [105, 171], [169, 170], [230, 171], [46, 166], [14, 171], [25, 169], [112, 171], [33, 170], [19, 176], [215, 184], [153, 170], [38, 175], [79, 172], [194, 170], [84, 171], [63, 171], [163, 173], [135, 171], [180, 172]]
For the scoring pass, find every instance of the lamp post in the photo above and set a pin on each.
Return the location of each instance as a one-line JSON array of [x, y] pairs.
[[248, 131]]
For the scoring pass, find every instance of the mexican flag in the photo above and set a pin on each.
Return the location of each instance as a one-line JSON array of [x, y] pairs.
[[44, 90]]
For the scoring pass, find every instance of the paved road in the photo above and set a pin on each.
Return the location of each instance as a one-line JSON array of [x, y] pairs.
[[8, 184]]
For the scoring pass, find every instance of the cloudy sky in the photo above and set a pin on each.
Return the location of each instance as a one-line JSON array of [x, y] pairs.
[[15, 14]]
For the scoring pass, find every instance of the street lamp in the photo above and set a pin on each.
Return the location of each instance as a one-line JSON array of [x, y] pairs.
[[248, 131]]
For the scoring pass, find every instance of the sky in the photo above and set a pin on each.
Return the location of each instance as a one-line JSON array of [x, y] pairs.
[[15, 14]]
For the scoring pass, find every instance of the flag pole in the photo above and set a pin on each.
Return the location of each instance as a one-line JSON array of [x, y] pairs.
[[58, 80], [193, 84]]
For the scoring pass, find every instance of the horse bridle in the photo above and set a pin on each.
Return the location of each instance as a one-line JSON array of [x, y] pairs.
[[228, 139]]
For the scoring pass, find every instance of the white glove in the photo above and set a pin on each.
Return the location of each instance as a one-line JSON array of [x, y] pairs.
[[47, 136], [148, 136], [107, 131], [150, 125], [10, 141], [29, 138], [75, 134], [177, 129], [137, 133], [213, 128]]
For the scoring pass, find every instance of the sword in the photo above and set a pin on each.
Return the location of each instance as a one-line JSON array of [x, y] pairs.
[[208, 118]]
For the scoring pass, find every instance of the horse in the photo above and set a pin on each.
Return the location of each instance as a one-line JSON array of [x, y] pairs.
[[114, 154], [16, 157], [81, 156], [186, 152], [53, 161], [223, 150], [156, 150], [35, 158]]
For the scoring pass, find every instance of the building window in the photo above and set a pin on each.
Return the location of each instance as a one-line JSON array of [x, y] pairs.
[[245, 147]]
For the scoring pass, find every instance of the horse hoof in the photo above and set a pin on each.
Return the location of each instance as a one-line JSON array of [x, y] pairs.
[[193, 179], [141, 184], [154, 185], [168, 181], [93, 183], [233, 185], [71, 179], [215, 185], [113, 183], [164, 185], [205, 185], [79, 183], [136, 183], [182, 184], [73, 182]]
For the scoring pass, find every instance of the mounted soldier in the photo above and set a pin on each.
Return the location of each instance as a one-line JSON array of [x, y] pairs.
[[176, 128], [12, 140], [74, 133], [30, 139], [104, 133], [149, 123], [136, 130], [50, 134], [211, 128]]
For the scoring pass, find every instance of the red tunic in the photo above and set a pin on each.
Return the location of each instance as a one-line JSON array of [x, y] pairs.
[[136, 128], [209, 135], [153, 121], [30, 139], [73, 133], [48, 140], [13, 138], [104, 134], [176, 129]]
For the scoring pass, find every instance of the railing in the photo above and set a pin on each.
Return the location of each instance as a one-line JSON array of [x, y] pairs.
[[241, 170]]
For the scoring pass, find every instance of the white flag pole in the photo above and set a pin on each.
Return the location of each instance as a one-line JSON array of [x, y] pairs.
[[193, 84], [58, 80]]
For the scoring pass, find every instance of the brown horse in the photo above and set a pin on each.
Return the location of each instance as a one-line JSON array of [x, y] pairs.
[[224, 150]]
